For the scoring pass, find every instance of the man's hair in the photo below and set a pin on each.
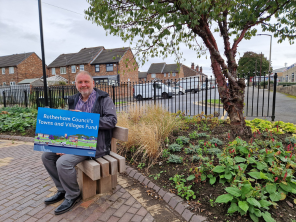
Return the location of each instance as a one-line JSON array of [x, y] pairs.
[[84, 73]]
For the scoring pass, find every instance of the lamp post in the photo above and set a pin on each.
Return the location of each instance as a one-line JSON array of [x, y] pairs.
[[269, 71]]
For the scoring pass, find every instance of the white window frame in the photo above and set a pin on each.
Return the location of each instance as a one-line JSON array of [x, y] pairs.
[[153, 76], [3, 71], [53, 71], [165, 75], [11, 70], [108, 66], [292, 77], [12, 83], [97, 68], [4, 84], [174, 74], [73, 69], [63, 69], [287, 78], [81, 67], [169, 74]]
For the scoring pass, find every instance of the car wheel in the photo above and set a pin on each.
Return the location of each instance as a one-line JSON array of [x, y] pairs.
[[181, 93], [192, 91], [139, 97], [164, 95]]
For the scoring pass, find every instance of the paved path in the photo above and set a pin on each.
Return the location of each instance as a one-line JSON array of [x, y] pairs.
[[24, 184]]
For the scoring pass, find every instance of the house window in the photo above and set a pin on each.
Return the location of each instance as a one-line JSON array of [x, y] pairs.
[[174, 74], [169, 74], [81, 67], [11, 70], [287, 78], [153, 76], [53, 71], [63, 70], [293, 79], [73, 69], [3, 70], [109, 67], [73, 82], [4, 83], [165, 75], [12, 83], [97, 68]]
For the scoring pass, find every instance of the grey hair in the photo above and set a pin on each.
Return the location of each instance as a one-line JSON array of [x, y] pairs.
[[84, 73]]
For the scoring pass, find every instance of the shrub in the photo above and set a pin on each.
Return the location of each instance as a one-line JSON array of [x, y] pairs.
[[175, 147], [202, 135], [175, 159], [195, 158], [217, 141], [182, 140], [290, 140]]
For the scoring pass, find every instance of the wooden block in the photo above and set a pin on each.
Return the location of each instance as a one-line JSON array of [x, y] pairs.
[[114, 181], [120, 133], [121, 161], [113, 145], [86, 184], [104, 167], [91, 168], [104, 185], [112, 164]]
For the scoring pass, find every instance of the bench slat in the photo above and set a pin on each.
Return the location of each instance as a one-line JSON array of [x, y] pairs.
[[91, 168], [120, 133], [112, 163], [104, 167], [121, 161]]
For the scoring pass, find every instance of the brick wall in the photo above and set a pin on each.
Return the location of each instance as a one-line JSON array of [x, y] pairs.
[[28, 69], [160, 76]]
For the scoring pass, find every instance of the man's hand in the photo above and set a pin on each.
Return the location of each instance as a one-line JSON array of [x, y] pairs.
[[75, 110], [60, 154]]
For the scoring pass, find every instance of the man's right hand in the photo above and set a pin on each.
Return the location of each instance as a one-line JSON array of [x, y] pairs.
[[60, 154]]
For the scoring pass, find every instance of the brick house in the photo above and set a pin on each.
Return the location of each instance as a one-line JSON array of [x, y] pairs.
[[164, 72], [17, 67], [105, 65]]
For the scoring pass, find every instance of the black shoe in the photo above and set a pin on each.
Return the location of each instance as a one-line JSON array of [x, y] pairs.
[[67, 205], [55, 198]]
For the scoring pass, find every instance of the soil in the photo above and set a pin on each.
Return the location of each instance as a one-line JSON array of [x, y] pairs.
[[206, 194]]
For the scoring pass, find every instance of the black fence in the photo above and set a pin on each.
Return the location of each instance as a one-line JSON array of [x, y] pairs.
[[191, 95]]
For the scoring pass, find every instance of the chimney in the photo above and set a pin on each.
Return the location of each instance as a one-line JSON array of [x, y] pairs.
[[192, 65], [201, 69], [197, 68]]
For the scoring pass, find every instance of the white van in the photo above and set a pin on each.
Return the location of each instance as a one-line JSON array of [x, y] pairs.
[[146, 91], [189, 84]]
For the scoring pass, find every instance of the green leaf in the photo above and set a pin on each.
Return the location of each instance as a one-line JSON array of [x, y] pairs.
[[243, 205], [243, 150], [263, 176], [239, 159], [203, 177], [255, 175], [233, 208], [270, 187], [275, 196], [212, 180], [254, 217], [228, 176], [253, 202], [258, 212], [191, 177], [261, 166], [246, 188], [264, 203], [267, 217], [286, 187], [219, 169], [233, 191], [224, 198]]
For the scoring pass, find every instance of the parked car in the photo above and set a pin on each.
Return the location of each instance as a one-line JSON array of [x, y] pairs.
[[189, 84], [146, 91], [178, 90], [203, 86]]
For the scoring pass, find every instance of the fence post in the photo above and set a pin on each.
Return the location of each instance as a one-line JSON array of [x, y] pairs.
[[113, 89], [37, 98], [274, 95], [26, 99], [154, 89], [50, 99], [4, 99], [206, 102]]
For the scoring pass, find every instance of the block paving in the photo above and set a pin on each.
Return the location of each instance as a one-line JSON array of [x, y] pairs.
[[24, 184]]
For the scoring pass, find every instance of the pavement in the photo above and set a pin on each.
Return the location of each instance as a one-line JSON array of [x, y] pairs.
[[24, 184]]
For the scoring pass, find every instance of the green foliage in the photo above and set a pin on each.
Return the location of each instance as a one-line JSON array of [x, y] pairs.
[[183, 191], [248, 61], [195, 158], [278, 127], [18, 119], [141, 165], [182, 140], [203, 135], [265, 83], [290, 140], [214, 151], [165, 153], [216, 141], [193, 135], [175, 147], [175, 159]]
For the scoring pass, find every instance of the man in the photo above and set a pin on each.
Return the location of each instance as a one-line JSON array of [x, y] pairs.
[[61, 167]]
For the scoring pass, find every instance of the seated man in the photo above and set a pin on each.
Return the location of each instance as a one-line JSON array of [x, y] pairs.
[[61, 167]]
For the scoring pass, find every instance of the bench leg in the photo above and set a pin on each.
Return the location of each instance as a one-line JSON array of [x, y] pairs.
[[87, 185], [104, 185], [114, 181]]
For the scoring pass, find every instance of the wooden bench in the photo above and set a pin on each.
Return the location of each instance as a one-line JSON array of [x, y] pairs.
[[100, 175]]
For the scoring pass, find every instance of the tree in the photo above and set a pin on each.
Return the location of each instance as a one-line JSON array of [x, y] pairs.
[[159, 27], [250, 63]]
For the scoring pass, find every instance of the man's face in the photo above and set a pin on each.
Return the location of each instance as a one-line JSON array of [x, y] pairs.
[[84, 84]]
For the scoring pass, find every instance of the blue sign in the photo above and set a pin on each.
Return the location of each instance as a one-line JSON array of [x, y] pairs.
[[68, 132]]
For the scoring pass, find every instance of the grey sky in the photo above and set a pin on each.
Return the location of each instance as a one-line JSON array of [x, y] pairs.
[[68, 32]]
